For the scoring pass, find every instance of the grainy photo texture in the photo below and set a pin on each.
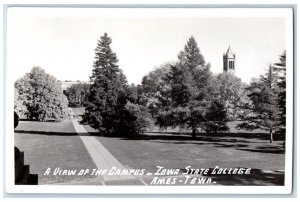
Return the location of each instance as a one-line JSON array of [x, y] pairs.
[[145, 97]]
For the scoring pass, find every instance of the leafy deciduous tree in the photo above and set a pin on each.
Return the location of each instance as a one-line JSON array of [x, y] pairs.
[[230, 91], [78, 94], [41, 95]]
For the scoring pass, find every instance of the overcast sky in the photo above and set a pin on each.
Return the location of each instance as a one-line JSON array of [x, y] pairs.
[[62, 41]]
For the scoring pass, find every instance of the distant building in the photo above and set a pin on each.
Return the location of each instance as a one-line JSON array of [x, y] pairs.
[[66, 84], [229, 61]]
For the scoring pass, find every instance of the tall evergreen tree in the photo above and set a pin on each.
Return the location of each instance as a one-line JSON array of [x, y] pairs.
[[262, 110], [191, 56], [216, 117], [183, 89], [112, 104], [188, 80], [280, 69], [107, 90]]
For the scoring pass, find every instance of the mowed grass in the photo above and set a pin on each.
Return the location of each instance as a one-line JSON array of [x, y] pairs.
[[57, 145], [53, 145], [177, 152], [150, 151], [207, 151]]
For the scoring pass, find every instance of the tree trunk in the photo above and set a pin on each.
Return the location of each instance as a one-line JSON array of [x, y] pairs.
[[194, 133], [271, 136]]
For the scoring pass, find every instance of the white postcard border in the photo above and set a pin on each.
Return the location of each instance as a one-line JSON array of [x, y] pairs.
[[9, 134]]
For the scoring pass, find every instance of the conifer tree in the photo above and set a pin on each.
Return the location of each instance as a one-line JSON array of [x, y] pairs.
[[262, 111], [188, 80], [280, 69], [216, 117], [107, 92]]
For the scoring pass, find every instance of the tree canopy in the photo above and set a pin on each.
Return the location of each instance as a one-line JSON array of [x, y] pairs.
[[41, 96], [280, 71], [262, 111], [108, 109], [77, 94], [187, 84], [230, 91]]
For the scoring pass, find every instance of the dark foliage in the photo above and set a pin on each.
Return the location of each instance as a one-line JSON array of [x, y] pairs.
[[77, 94], [107, 107]]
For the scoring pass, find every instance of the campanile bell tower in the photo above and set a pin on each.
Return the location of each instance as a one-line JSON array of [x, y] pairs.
[[229, 61]]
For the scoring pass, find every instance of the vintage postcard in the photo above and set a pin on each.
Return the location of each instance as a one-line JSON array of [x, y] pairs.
[[149, 100]]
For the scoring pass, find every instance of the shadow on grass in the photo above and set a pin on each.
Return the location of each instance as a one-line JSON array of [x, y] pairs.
[[258, 136], [231, 145], [267, 149], [242, 144], [177, 138], [54, 133], [238, 143], [35, 120]]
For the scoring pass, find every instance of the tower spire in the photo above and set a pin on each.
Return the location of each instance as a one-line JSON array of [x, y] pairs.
[[229, 61]]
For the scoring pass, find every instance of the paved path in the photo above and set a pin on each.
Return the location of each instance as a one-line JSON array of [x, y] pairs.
[[103, 159]]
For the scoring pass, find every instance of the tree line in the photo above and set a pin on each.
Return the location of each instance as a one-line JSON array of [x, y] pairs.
[[183, 94]]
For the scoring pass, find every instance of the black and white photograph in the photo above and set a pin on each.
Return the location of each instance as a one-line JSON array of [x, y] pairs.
[[153, 100]]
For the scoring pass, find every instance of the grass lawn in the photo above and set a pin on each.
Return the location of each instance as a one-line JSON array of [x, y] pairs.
[[53, 144], [207, 151], [151, 150]]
